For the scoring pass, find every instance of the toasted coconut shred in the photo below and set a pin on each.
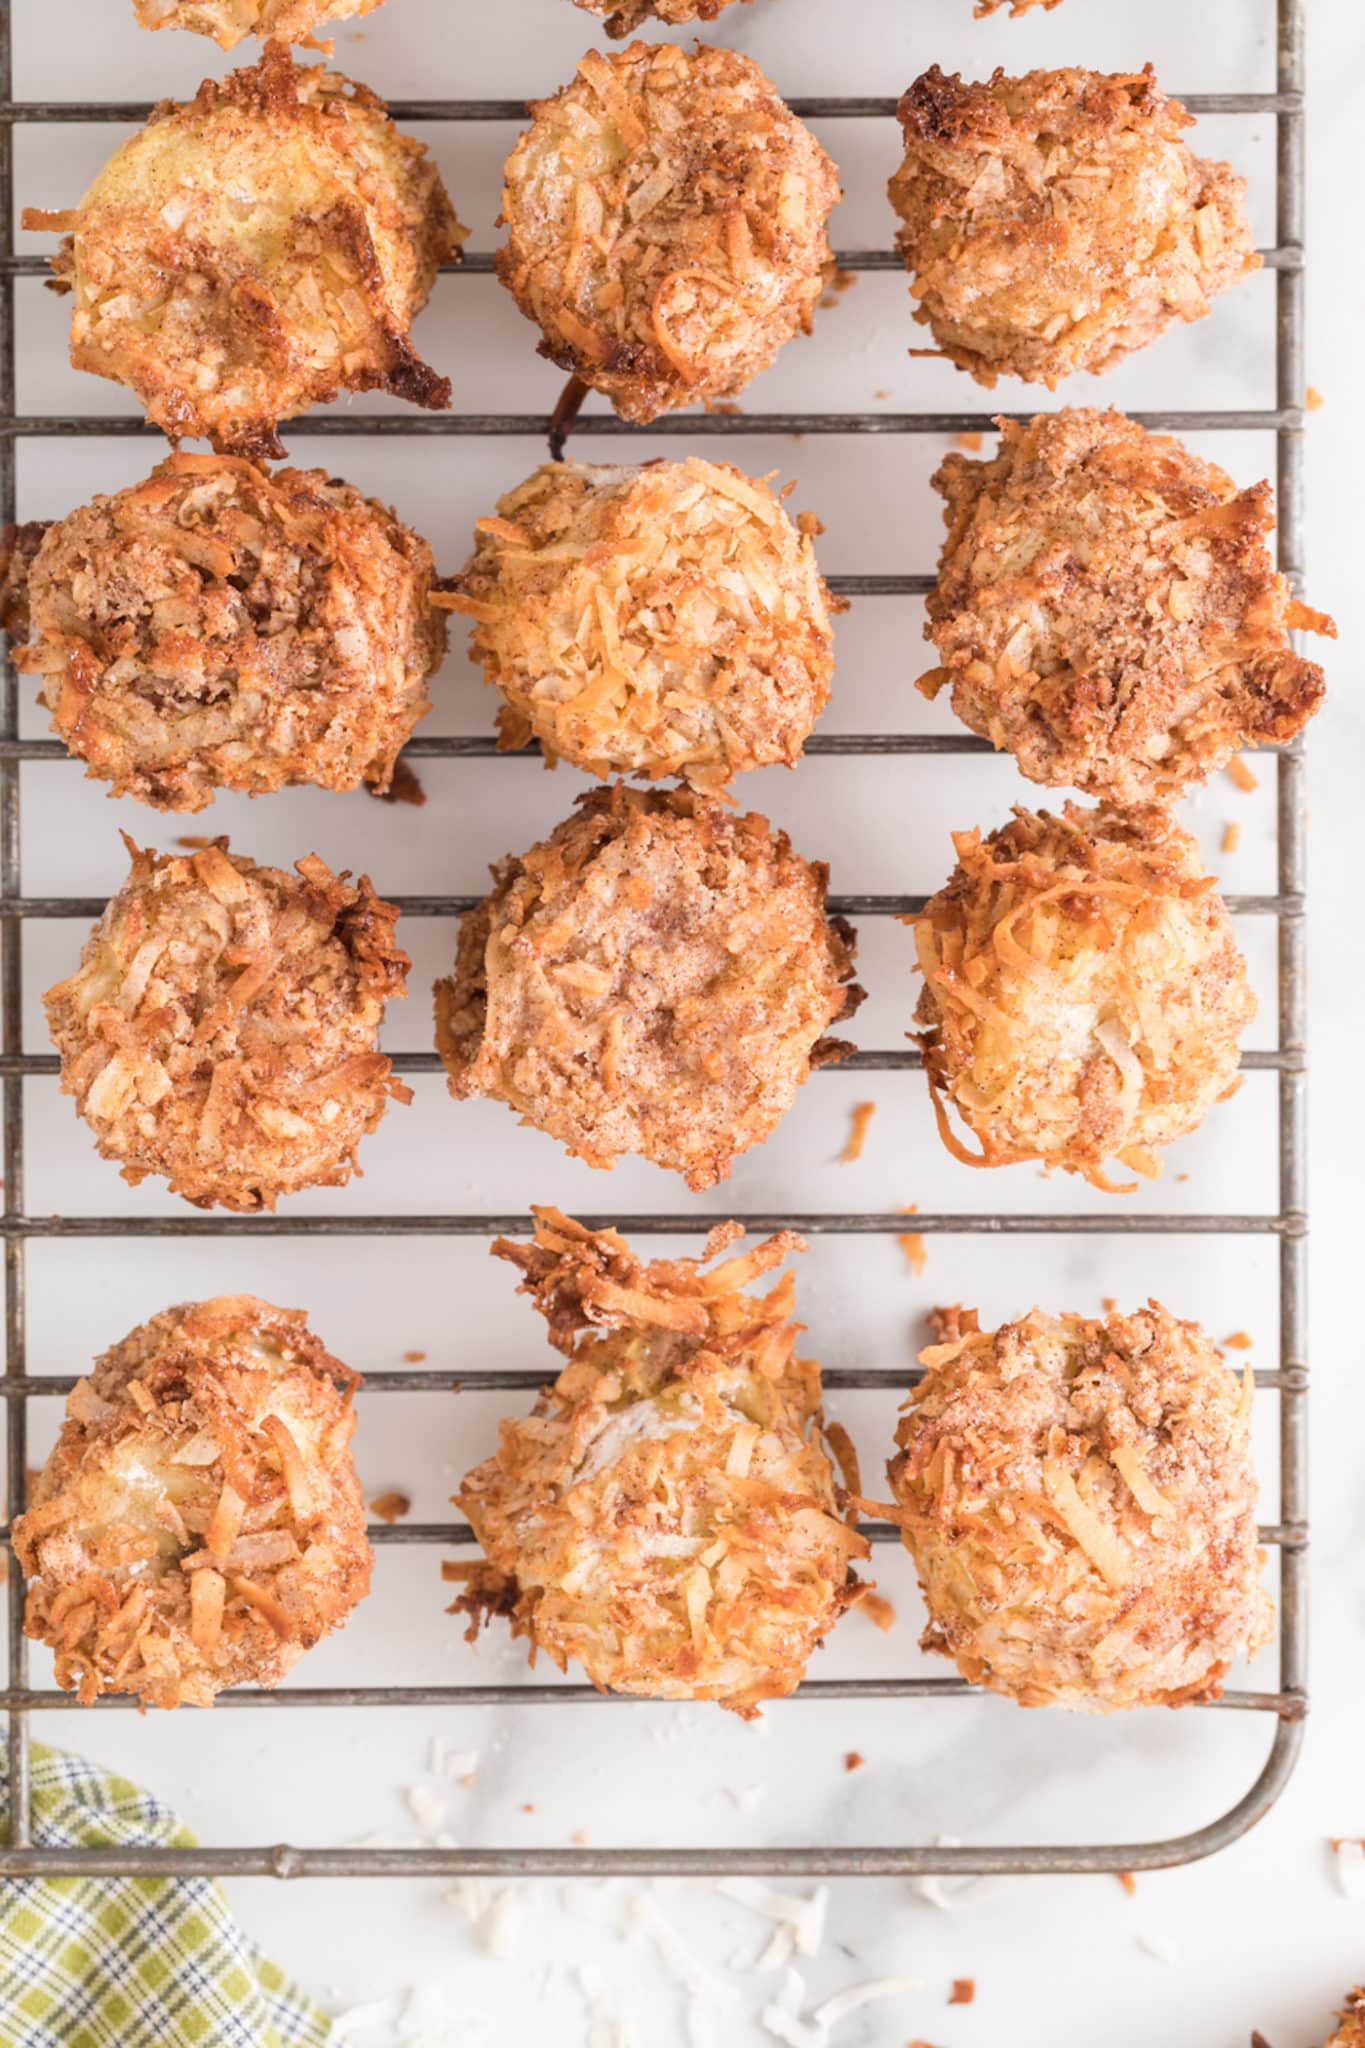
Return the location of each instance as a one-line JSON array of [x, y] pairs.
[[219, 628], [1079, 1500], [1056, 222], [1350, 2031], [624, 16], [257, 251], [199, 1523], [1084, 997], [666, 225], [656, 977], [662, 620], [668, 1516], [229, 21], [1107, 611], [222, 1028]]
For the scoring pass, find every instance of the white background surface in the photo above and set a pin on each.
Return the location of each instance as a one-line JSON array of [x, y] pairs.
[[1258, 1937]]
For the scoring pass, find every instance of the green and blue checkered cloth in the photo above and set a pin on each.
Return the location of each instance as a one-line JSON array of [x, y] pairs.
[[130, 1962]]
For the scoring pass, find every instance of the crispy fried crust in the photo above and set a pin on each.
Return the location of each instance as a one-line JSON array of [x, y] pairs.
[[1107, 611], [199, 1522], [668, 1515], [256, 252], [230, 21], [219, 628], [624, 16], [1056, 222], [1080, 1503], [1083, 994], [222, 1028], [656, 977], [663, 620], [666, 216], [1351, 2031]]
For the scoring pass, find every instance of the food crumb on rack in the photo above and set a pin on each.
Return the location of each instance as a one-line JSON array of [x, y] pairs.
[[878, 1609], [881, 394], [392, 1506], [413, 1357], [1231, 839], [195, 841], [839, 283], [963, 1991], [1109, 1302], [579, 1838], [912, 1243], [860, 1117], [1241, 775], [854, 1760], [1127, 1880], [1313, 400], [972, 443], [1240, 1340]]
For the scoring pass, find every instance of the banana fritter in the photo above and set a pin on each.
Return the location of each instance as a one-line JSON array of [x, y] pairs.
[[255, 252], [219, 628], [229, 21], [1057, 222], [1106, 609], [222, 1028], [667, 1516], [1351, 2031], [1080, 1502], [623, 16], [656, 977], [663, 620], [1083, 994], [199, 1523], [666, 225]]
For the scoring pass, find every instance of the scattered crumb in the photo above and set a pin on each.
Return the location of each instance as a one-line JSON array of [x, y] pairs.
[[1182, 1176], [878, 1609], [1240, 1340], [1348, 1865], [1109, 1302], [912, 1244], [859, 1119], [195, 841], [528, 1807], [1127, 1880], [854, 1760], [963, 1991], [579, 1838], [971, 442], [1241, 775], [404, 788], [424, 1806], [1313, 399], [391, 1507], [921, 2044], [413, 1357], [1258, 2039], [881, 394], [839, 283], [726, 406], [1231, 839], [1158, 1948]]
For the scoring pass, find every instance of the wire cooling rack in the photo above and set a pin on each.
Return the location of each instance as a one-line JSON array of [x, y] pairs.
[[1285, 1227]]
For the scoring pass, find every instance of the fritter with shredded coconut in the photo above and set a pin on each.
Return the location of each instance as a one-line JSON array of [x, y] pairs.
[[219, 628], [1106, 609], [1083, 994], [666, 225], [624, 16], [1057, 222], [230, 21], [222, 1028], [199, 1523], [1351, 2031], [1079, 1500], [257, 251], [656, 977], [667, 1516], [662, 620]]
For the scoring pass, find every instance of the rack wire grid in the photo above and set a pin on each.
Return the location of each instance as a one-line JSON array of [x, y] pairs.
[[1285, 1227]]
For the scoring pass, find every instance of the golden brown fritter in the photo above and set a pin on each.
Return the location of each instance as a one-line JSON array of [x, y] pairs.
[[663, 620], [1080, 1503], [1107, 611], [1083, 994], [667, 1516], [256, 252], [219, 628], [1057, 222], [229, 21], [222, 1028], [624, 16], [199, 1523], [666, 216], [656, 977], [1351, 2031]]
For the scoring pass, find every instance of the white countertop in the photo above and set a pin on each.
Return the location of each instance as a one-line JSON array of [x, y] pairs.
[[1261, 1936]]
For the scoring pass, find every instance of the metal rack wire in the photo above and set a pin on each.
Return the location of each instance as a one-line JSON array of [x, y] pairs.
[[1286, 1227]]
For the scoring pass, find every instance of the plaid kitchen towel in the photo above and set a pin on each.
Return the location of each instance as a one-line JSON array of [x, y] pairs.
[[130, 1962]]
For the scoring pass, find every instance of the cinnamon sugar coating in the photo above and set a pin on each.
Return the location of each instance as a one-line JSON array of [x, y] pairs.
[[199, 1522], [665, 619], [1056, 222], [257, 251], [656, 977], [219, 628], [222, 1028], [666, 225], [1080, 1502], [1107, 610], [668, 1515], [1084, 997]]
